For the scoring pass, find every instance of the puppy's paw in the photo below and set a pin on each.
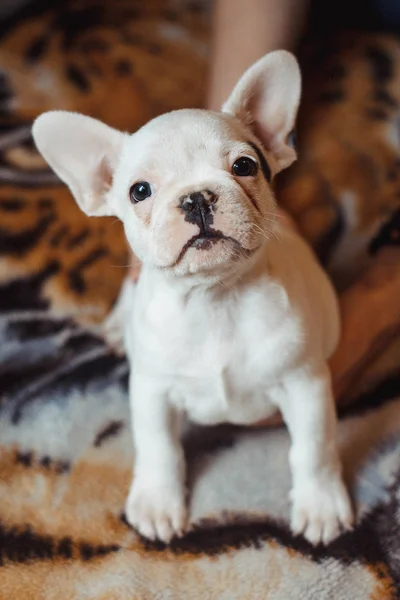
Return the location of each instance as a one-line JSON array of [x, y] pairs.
[[157, 511], [321, 511]]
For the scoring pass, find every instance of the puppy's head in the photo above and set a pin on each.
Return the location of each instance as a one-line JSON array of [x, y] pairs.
[[192, 187]]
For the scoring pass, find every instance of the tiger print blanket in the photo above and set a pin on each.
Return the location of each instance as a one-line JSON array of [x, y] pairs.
[[65, 442]]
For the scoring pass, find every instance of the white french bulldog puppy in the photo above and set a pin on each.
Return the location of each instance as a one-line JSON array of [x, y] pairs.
[[232, 319]]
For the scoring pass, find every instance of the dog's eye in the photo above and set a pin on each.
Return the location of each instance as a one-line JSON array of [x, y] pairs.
[[140, 191], [244, 167]]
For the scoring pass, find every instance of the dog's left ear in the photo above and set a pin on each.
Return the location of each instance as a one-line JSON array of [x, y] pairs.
[[84, 153], [266, 100]]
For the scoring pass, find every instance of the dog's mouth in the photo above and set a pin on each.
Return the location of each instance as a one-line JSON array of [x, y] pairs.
[[204, 241], [207, 239], [201, 241]]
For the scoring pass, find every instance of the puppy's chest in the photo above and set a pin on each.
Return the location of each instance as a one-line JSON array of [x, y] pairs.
[[219, 360]]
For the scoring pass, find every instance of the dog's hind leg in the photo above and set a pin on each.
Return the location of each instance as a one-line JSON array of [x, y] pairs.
[[114, 328]]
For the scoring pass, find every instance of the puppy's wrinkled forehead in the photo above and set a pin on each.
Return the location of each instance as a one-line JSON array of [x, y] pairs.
[[182, 140]]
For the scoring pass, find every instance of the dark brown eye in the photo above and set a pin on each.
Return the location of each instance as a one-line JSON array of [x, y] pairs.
[[244, 167], [140, 191]]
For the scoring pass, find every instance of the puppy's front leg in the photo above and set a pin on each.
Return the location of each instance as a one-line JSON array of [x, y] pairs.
[[156, 501], [320, 502]]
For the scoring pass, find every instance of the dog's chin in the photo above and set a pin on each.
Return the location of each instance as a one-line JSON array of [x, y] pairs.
[[210, 256]]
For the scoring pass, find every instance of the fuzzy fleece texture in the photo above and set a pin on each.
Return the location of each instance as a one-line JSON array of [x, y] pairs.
[[65, 442]]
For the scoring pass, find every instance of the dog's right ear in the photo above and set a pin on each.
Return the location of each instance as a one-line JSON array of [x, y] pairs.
[[83, 152], [266, 99]]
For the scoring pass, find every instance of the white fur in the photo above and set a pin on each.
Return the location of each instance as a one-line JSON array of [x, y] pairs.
[[229, 331]]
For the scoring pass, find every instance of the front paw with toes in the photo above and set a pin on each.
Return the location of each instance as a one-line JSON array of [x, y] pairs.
[[321, 511], [157, 512]]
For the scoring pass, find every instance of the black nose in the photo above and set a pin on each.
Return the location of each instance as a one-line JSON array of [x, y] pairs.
[[198, 201], [197, 208]]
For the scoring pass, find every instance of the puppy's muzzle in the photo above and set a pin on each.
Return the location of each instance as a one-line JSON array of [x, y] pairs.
[[198, 209]]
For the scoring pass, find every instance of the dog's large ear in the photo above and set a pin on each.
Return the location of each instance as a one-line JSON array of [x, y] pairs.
[[83, 152], [266, 100]]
